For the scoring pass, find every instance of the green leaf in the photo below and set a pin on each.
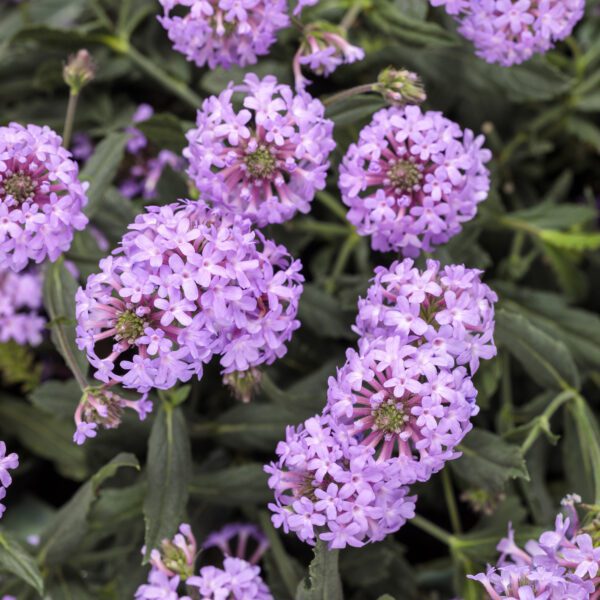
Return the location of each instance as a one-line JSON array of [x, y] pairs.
[[59, 398], [323, 580], [67, 530], [165, 131], [576, 241], [554, 216], [534, 80], [585, 131], [59, 300], [169, 474], [101, 168], [488, 461], [547, 360], [354, 109], [321, 313], [16, 560]]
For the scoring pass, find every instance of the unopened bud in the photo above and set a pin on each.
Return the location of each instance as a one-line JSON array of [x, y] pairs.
[[243, 384], [400, 87], [79, 70]]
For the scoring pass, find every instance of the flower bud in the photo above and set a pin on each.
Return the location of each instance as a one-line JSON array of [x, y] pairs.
[[79, 71], [400, 87], [244, 385]]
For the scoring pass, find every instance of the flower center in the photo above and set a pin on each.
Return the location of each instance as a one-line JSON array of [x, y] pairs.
[[20, 186], [261, 163], [389, 418], [404, 175], [130, 327]]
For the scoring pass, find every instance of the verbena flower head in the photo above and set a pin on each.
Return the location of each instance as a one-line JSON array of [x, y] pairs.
[[265, 161], [186, 283], [328, 486], [510, 32], [441, 308], [563, 563], [240, 540], [41, 199], [323, 49], [412, 179], [406, 403], [8, 462], [20, 305], [223, 33], [160, 587]]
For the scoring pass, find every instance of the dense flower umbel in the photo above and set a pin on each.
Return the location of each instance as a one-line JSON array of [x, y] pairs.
[[186, 283], [265, 161], [329, 487], [41, 199], [406, 402], [563, 564], [412, 179], [20, 304], [444, 309], [223, 33], [323, 49], [509, 32], [7, 463]]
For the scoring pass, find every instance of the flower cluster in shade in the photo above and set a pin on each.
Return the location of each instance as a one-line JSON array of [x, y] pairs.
[[330, 487], [265, 161], [20, 305], [396, 410], [142, 178], [509, 32], [41, 198], [100, 406], [412, 179], [186, 283], [323, 49], [223, 33], [8, 462], [564, 563], [239, 578]]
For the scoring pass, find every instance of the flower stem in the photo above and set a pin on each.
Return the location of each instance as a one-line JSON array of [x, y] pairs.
[[350, 17], [70, 118], [432, 529], [326, 230], [326, 199], [359, 89], [342, 260], [451, 502]]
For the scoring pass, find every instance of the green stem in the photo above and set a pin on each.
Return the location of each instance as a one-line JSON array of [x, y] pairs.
[[350, 17], [326, 230], [70, 118], [433, 530], [354, 91], [326, 199], [342, 260], [451, 502]]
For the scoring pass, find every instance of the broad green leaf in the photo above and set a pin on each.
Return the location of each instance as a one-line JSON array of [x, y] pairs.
[[547, 216], [585, 131], [547, 360], [535, 80], [116, 214], [323, 579], [16, 560], [101, 168], [321, 313], [354, 109], [69, 527], [168, 474], [576, 241], [488, 461], [58, 398]]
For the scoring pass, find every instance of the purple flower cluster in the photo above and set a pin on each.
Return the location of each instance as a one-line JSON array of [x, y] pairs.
[[41, 199], [323, 49], [563, 563], [223, 33], [412, 179], [238, 579], [145, 173], [7, 463], [186, 283], [510, 32], [266, 160], [20, 305], [330, 487], [441, 310], [239, 540]]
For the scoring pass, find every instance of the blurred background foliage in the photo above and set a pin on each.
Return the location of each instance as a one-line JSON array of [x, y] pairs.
[[537, 435]]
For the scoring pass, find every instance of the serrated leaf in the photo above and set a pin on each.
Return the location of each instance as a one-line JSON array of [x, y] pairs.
[[323, 579], [547, 360], [168, 474], [16, 560], [68, 528]]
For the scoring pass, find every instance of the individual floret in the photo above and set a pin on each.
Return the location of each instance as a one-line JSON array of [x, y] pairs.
[[412, 179], [8, 462], [265, 161]]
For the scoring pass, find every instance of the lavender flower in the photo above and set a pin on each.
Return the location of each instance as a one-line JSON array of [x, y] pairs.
[[186, 283], [265, 161], [412, 179], [510, 32], [41, 199], [328, 486], [238, 540], [323, 49], [444, 309], [222, 33], [407, 403], [20, 305], [8, 462], [82, 146], [160, 586], [563, 563]]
